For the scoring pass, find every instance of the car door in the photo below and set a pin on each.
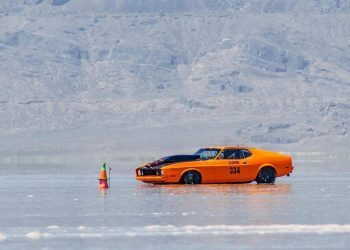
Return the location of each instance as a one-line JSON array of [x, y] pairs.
[[224, 166], [232, 166], [248, 166]]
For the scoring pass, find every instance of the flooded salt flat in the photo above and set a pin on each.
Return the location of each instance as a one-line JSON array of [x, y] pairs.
[[309, 210]]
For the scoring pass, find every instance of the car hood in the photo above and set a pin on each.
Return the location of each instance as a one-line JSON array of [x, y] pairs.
[[172, 159]]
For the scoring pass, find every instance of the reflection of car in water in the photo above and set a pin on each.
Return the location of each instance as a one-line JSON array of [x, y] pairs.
[[219, 164]]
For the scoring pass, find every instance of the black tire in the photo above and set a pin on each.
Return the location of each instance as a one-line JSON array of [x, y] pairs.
[[266, 175], [191, 177]]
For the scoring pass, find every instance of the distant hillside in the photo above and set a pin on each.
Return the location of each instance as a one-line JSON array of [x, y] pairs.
[[258, 72]]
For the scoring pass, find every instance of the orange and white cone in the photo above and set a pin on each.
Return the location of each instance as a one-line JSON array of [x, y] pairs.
[[103, 180]]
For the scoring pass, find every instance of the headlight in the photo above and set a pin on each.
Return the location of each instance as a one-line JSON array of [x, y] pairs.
[[139, 172], [161, 172]]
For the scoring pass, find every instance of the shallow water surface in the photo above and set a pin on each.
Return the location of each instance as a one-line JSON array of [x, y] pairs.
[[306, 211]]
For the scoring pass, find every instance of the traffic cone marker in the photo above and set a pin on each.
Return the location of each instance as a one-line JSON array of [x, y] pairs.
[[103, 180]]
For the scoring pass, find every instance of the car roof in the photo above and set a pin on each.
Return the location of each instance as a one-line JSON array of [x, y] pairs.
[[228, 147]]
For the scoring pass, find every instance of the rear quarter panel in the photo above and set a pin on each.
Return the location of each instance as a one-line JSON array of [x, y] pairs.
[[280, 162]]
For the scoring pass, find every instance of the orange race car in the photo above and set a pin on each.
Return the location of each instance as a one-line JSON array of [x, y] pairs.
[[218, 164]]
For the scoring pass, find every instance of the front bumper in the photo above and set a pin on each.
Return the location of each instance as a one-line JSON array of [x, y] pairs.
[[152, 179], [155, 176]]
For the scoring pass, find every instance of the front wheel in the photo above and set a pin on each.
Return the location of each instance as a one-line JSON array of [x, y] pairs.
[[191, 177], [266, 175]]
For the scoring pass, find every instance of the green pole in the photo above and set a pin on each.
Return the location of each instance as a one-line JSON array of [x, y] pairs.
[[109, 177]]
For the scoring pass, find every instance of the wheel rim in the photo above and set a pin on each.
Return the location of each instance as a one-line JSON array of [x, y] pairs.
[[191, 178], [267, 175]]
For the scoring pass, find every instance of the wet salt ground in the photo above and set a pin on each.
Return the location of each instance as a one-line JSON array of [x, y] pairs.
[[309, 210]]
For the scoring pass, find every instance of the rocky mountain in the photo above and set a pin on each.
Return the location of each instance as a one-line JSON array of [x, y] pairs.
[[174, 74]]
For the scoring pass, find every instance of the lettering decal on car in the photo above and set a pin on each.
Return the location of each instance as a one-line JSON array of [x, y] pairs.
[[233, 162], [235, 170]]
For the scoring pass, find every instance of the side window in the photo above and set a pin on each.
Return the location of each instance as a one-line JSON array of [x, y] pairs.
[[228, 154], [235, 154], [239, 154], [246, 153]]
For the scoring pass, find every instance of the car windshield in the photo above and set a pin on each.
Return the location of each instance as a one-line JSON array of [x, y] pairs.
[[207, 153]]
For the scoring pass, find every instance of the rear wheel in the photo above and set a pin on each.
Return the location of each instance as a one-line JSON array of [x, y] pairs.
[[266, 175], [191, 177]]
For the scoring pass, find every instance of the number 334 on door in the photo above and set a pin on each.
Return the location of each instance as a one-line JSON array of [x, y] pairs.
[[235, 170]]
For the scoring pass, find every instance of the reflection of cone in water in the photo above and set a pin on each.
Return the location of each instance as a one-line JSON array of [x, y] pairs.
[[103, 180]]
